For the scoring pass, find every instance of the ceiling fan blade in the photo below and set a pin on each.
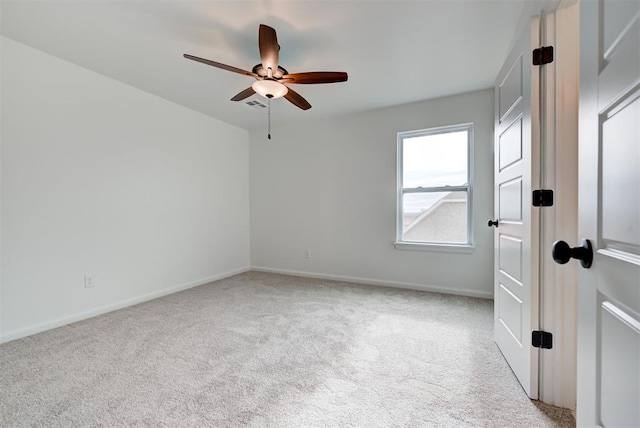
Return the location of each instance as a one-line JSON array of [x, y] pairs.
[[316, 77], [244, 94], [297, 100], [268, 45], [220, 65]]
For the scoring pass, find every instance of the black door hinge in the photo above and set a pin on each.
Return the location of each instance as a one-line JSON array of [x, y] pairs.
[[542, 198], [543, 55], [541, 339]]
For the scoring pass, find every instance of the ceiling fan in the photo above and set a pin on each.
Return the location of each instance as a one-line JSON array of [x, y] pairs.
[[271, 77]]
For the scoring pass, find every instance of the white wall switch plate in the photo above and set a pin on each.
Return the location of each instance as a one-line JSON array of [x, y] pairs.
[[89, 281]]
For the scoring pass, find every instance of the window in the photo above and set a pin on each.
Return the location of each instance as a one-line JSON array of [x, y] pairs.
[[434, 187]]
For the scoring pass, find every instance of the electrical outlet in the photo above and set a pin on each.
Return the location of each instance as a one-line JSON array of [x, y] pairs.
[[307, 254], [89, 281]]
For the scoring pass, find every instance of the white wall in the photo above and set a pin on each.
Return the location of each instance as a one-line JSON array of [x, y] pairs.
[[1, 127], [103, 179], [329, 186]]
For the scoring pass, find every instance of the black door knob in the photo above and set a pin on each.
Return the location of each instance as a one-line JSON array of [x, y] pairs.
[[492, 223], [562, 253]]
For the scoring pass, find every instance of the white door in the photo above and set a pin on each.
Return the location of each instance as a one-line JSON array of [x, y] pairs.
[[516, 234], [609, 215]]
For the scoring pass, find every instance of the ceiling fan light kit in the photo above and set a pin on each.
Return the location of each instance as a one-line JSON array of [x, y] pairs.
[[269, 88], [270, 77]]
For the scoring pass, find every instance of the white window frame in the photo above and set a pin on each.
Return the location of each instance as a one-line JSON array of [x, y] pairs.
[[436, 246]]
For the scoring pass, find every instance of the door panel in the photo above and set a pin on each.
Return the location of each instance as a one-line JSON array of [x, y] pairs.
[[510, 312], [609, 196], [621, 65], [620, 204], [620, 370], [619, 14], [510, 196], [510, 90], [510, 261], [511, 145], [515, 271]]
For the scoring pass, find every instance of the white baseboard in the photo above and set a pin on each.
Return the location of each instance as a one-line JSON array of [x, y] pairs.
[[38, 328], [383, 283]]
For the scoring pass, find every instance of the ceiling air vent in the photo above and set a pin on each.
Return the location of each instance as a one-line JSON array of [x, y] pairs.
[[255, 105]]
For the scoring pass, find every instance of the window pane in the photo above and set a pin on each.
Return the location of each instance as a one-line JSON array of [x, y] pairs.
[[439, 217], [435, 160]]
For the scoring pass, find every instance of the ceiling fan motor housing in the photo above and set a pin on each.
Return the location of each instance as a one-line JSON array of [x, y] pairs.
[[262, 72]]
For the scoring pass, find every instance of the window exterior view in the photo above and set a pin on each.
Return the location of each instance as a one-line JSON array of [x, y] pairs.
[[434, 186]]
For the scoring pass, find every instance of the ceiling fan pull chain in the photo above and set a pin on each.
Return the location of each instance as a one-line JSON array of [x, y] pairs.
[[269, 120]]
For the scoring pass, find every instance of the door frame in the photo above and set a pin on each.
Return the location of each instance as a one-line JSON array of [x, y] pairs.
[[559, 172], [557, 299]]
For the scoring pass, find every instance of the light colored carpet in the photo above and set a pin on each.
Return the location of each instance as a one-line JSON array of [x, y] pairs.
[[271, 350]]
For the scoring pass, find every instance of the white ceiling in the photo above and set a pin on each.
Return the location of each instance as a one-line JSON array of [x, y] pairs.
[[395, 52]]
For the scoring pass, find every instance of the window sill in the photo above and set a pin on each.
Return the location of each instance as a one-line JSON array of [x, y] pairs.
[[446, 248]]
